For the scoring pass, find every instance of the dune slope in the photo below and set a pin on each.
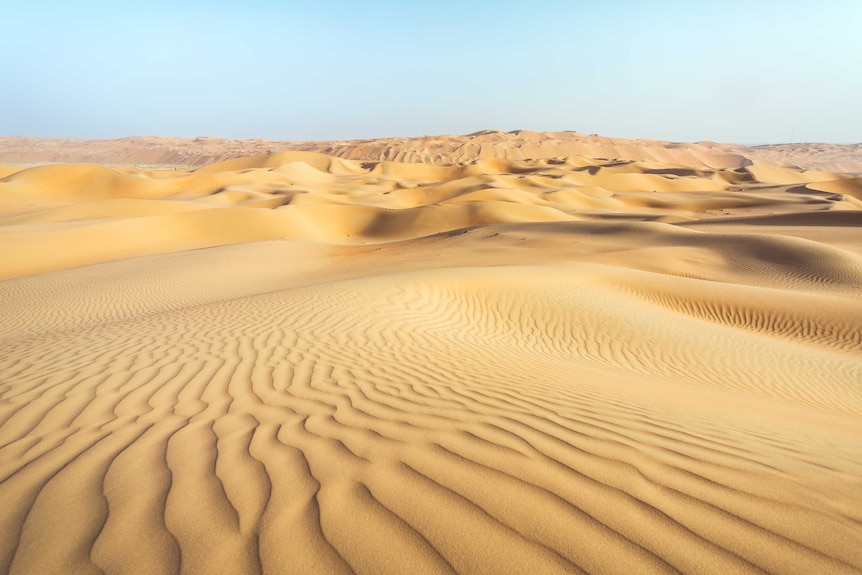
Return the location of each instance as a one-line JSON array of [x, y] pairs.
[[513, 145], [297, 363]]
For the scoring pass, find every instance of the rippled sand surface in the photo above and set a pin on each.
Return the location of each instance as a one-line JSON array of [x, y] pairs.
[[297, 363]]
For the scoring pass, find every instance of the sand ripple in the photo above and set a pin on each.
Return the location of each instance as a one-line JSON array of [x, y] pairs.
[[499, 367]]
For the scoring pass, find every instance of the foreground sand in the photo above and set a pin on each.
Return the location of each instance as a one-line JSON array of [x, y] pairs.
[[302, 364]]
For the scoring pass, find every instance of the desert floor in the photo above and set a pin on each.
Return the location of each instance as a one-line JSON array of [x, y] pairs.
[[297, 363]]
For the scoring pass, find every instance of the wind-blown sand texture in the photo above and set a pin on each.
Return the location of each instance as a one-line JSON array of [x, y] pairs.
[[151, 151], [297, 363]]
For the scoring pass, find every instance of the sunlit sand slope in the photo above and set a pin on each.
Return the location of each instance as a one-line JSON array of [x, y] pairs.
[[301, 364], [56, 216], [514, 145]]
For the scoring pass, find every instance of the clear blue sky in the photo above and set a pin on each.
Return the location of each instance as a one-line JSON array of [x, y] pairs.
[[733, 71]]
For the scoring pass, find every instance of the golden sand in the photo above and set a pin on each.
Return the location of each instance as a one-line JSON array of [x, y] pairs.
[[297, 363], [153, 151]]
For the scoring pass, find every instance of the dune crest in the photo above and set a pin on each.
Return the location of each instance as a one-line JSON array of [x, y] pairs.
[[303, 363], [444, 149], [113, 213]]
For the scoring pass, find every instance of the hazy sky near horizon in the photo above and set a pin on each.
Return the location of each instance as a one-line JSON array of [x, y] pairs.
[[733, 71]]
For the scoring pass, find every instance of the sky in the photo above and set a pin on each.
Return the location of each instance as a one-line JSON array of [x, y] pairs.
[[758, 71]]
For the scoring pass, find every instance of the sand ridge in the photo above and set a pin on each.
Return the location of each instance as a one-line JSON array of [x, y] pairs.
[[185, 153], [301, 363], [112, 213]]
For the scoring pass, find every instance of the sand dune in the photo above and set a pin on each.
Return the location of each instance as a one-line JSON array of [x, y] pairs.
[[446, 149], [300, 363], [818, 156]]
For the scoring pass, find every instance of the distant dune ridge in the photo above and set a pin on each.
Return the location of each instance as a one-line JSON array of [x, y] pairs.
[[517, 353], [515, 145]]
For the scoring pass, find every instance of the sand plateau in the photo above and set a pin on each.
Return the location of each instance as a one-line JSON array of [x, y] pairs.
[[301, 363]]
